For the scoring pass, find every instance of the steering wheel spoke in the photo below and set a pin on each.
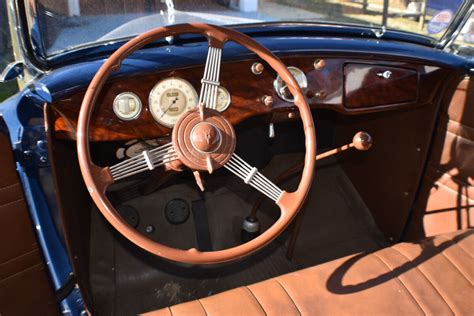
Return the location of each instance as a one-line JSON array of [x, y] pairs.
[[210, 80], [250, 175], [147, 160]]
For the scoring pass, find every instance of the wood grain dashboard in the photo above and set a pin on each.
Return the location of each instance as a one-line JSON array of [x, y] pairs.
[[349, 86]]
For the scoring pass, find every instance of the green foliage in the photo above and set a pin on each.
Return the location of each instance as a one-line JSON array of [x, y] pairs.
[[8, 89]]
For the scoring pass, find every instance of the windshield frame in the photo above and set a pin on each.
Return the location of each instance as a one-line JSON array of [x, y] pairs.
[[26, 17], [456, 24]]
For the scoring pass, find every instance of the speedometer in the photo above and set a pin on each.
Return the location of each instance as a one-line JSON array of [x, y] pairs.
[[170, 98]]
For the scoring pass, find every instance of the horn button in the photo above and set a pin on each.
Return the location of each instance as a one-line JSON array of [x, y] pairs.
[[203, 139], [206, 137]]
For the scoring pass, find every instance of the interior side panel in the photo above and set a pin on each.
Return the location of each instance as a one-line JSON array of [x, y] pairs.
[[74, 204], [446, 199], [387, 175], [24, 285]]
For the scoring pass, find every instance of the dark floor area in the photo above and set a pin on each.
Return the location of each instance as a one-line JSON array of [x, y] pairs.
[[127, 281]]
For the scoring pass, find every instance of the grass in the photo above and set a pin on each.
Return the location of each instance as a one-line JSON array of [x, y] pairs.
[[7, 89]]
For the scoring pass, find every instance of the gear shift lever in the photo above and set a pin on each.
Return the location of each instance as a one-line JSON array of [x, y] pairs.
[[361, 141]]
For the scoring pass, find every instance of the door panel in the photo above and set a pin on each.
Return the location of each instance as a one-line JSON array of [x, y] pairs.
[[446, 199], [24, 285]]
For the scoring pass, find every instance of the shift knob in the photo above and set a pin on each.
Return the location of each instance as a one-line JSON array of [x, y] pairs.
[[362, 141]]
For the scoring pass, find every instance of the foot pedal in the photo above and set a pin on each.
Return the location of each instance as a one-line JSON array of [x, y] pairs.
[[201, 225], [250, 229]]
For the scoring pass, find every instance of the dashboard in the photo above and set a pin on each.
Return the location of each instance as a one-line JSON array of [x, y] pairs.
[[147, 106]]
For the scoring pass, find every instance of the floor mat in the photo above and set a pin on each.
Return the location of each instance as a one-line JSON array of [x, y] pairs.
[[127, 281]]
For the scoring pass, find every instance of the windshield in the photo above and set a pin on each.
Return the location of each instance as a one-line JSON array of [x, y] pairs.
[[64, 25], [6, 53]]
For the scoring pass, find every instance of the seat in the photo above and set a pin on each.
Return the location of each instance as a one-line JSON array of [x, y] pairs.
[[434, 276]]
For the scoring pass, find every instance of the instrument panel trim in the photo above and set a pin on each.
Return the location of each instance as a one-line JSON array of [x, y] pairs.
[[246, 98]]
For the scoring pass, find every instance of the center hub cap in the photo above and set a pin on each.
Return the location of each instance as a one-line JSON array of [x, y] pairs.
[[206, 137], [203, 141]]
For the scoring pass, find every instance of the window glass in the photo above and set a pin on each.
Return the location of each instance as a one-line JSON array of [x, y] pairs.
[[64, 25], [464, 42], [6, 52]]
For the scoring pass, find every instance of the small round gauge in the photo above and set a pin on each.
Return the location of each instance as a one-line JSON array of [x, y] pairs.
[[127, 106], [223, 99], [281, 87], [170, 98]]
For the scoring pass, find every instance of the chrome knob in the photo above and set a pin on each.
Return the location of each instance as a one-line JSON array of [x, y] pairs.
[[257, 68], [267, 100]]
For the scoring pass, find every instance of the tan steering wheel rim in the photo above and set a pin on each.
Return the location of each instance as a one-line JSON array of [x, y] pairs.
[[97, 179]]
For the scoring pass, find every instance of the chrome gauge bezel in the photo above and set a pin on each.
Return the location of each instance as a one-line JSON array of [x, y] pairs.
[[228, 99], [160, 120], [279, 84], [115, 104]]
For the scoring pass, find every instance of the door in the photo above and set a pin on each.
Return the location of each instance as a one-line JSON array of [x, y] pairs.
[[446, 199], [24, 285]]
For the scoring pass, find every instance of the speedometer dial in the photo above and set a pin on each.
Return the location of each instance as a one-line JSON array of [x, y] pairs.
[[170, 98]]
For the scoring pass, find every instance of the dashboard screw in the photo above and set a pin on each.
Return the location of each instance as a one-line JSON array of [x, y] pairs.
[[292, 115], [319, 64], [150, 229], [257, 68], [320, 94], [268, 100]]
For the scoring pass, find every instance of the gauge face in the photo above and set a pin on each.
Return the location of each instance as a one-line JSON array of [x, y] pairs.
[[170, 98], [135, 147], [281, 87], [223, 99], [127, 106]]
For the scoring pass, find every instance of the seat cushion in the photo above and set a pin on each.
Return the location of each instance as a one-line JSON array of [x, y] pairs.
[[434, 276]]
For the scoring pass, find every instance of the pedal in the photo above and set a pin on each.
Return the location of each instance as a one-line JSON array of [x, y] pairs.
[[250, 229]]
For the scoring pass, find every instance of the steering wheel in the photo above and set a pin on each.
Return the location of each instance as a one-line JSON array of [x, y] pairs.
[[202, 140]]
